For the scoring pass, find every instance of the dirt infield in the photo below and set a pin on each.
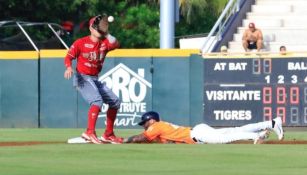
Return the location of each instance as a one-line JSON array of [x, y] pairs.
[[31, 143]]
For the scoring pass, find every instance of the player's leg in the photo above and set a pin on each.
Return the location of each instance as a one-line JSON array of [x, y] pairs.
[[217, 138], [254, 127], [88, 90], [274, 125], [206, 134], [245, 45], [114, 104]]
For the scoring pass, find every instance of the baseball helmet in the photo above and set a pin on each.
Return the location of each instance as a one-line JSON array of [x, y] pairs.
[[149, 115]]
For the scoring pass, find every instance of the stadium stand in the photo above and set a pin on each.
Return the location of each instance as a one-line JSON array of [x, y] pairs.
[[21, 35], [283, 22]]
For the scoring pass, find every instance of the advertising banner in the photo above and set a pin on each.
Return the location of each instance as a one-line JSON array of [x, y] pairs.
[[133, 86]]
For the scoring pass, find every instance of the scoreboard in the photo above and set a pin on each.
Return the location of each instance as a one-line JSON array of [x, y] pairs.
[[246, 90]]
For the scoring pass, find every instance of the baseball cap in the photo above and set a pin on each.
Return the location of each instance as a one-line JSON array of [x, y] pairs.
[[68, 25], [251, 25], [91, 22], [223, 48]]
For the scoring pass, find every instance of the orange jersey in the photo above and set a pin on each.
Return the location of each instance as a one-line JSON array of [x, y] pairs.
[[164, 132]]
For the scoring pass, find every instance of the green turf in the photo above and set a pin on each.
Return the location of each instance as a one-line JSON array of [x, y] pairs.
[[145, 159]]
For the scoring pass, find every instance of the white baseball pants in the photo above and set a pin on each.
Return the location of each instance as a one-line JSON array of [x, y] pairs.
[[204, 133]]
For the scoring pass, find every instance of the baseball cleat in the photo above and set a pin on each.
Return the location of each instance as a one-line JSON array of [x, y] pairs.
[[278, 128], [112, 139], [91, 137]]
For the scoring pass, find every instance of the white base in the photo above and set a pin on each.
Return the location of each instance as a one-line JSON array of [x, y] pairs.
[[77, 140]]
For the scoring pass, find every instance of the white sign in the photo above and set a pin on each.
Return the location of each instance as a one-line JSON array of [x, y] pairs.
[[297, 66], [133, 89], [233, 95], [233, 114], [222, 66]]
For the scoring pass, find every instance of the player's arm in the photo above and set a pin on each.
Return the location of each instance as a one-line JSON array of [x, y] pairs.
[[141, 138], [69, 71], [104, 30], [112, 42], [71, 54]]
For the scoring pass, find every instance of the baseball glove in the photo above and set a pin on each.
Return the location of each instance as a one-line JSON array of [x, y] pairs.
[[101, 24]]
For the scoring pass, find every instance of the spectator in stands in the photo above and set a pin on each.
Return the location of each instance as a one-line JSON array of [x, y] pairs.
[[224, 50], [68, 26], [252, 38], [283, 50]]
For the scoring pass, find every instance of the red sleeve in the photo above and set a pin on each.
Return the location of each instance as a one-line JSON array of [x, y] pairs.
[[72, 54]]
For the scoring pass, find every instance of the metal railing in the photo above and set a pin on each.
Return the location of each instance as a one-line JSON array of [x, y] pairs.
[[22, 24], [215, 35], [288, 54]]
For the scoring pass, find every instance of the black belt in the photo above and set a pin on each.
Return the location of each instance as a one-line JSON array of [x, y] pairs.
[[194, 139]]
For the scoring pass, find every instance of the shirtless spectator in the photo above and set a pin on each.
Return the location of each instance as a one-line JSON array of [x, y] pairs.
[[252, 38]]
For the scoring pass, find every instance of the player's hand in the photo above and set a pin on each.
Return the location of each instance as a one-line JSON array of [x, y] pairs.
[[68, 73], [125, 140], [103, 26]]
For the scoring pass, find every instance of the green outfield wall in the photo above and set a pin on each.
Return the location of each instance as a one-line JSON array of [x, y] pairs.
[[33, 92], [19, 89]]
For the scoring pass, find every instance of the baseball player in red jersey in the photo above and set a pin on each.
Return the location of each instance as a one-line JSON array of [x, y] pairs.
[[90, 52]]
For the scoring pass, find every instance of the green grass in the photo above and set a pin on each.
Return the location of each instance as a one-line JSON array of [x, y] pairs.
[[140, 159]]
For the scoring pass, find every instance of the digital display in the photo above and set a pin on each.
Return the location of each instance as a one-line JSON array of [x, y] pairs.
[[242, 91]]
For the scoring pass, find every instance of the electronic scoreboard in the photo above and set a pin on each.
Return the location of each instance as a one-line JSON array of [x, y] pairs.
[[241, 91]]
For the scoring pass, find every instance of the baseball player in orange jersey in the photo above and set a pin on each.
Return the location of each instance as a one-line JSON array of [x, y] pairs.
[[90, 52], [164, 132]]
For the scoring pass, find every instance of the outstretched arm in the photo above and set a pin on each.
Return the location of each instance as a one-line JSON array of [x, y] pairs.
[[136, 139]]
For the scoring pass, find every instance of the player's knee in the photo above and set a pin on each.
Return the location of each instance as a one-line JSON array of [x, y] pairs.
[[97, 102], [115, 104]]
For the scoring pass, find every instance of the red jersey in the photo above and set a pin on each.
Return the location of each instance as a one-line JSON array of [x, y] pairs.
[[90, 55]]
